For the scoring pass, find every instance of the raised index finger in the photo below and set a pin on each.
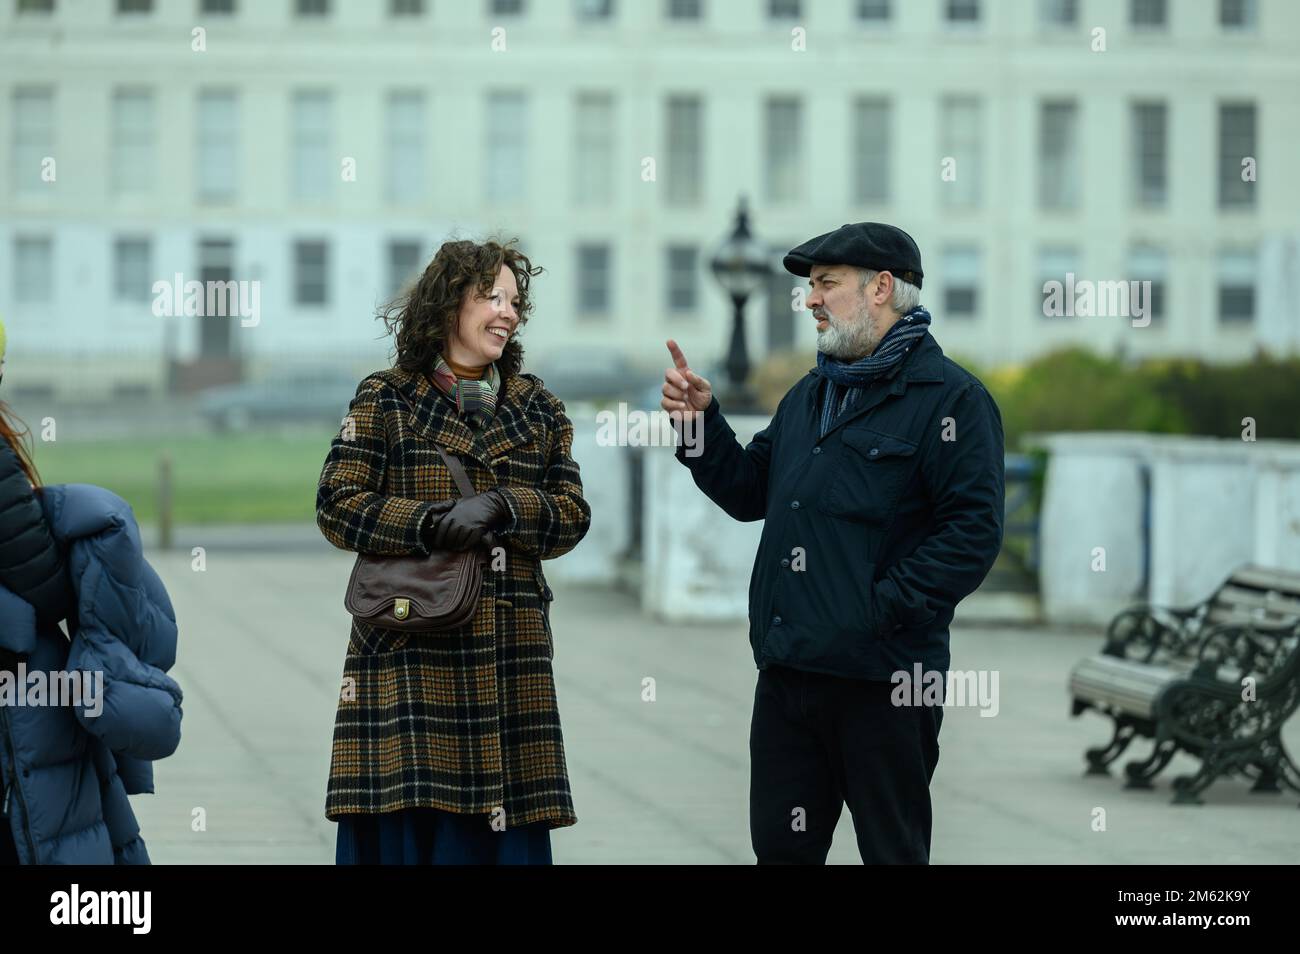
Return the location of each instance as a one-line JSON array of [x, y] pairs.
[[679, 359]]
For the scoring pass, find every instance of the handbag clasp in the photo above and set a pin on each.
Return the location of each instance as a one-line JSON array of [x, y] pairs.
[[401, 608]]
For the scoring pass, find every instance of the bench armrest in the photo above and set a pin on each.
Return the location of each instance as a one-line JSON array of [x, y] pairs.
[[1255, 648], [1149, 633]]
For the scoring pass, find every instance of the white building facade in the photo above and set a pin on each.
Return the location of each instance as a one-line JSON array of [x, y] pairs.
[[323, 149]]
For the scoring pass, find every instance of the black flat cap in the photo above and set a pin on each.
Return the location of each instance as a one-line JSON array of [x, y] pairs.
[[871, 245]]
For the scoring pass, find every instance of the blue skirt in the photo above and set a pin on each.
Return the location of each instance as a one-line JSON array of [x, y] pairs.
[[430, 836]]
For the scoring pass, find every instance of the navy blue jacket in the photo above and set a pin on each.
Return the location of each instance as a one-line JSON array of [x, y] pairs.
[[873, 533], [67, 770]]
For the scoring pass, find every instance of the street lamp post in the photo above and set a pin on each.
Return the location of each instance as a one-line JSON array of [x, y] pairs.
[[742, 267]]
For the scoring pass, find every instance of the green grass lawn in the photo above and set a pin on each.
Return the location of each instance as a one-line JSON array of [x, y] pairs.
[[254, 478]]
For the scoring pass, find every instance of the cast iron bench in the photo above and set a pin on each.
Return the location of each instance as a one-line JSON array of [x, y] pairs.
[[1217, 680]]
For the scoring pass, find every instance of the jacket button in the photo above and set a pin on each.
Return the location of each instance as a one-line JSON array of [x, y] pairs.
[[785, 562], [875, 451], [794, 505], [817, 450], [776, 621]]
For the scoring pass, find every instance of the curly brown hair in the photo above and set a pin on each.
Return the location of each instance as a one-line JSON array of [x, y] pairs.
[[424, 317]]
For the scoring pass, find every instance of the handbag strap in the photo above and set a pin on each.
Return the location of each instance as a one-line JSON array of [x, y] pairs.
[[458, 474], [457, 469]]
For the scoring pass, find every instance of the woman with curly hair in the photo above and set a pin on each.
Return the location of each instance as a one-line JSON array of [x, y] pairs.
[[447, 745]]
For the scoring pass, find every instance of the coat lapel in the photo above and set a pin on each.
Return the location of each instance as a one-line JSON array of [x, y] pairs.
[[437, 419], [510, 427]]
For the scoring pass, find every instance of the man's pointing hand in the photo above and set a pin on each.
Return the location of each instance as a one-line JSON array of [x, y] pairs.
[[686, 394]]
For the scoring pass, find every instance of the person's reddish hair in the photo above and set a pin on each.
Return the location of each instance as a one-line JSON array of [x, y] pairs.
[[13, 432]]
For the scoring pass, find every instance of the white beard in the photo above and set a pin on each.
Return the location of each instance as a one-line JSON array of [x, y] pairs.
[[848, 339]]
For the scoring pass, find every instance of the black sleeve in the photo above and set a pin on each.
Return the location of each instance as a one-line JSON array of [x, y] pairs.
[[733, 477], [31, 565]]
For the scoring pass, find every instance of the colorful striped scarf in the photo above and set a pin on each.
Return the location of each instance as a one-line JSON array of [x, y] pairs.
[[476, 400]]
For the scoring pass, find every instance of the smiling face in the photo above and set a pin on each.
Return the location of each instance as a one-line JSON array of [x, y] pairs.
[[485, 323], [851, 319]]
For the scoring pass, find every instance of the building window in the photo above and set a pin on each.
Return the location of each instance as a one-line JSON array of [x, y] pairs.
[[405, 118], [685, 152], [1058, 156], [217, 7], [311, 273], [961, 122], [1148, 14], [871, 138], [132, 266], [506, 8], [960, 266], [1150, 153], [1059, 14], [507, 147], [683, 278], [784, 9], [1236, 285], [593, 11], [1238, 14], [782, 287], [312, 8], [874, 12], [218, 145], [406, 8], [1056, 264], [313, 159], [962, 12], [1236, 144], [1149, 264], [593, 183], [35, 6], [33, 273], [685, 9], [217, 265], [782, 153], [33, 137], [133, 7], [134, 136], [594, 280], [403, 265]]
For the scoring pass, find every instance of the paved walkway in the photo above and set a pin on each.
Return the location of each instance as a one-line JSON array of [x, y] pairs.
[[261, 656]]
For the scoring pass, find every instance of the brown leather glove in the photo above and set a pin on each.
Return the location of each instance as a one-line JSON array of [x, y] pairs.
[[465, 524]]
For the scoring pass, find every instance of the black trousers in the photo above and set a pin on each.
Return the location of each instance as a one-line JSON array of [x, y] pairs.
[[819, 741]]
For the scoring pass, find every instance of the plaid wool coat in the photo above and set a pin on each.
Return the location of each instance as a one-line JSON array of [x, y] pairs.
[[464, 720]]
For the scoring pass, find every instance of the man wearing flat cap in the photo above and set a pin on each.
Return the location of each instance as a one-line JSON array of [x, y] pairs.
[[880, 481]]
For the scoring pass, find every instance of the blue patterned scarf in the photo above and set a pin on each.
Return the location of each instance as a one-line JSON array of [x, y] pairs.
[[844, 379]]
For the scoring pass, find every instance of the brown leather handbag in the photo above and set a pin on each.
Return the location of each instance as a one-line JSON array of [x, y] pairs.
[[415, 593]]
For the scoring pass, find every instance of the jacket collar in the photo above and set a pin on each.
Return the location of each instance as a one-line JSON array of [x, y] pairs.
[[923, 366], [436, 418]]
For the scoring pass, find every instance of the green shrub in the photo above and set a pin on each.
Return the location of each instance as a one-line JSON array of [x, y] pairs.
[[1075, 389], [1215, 398]]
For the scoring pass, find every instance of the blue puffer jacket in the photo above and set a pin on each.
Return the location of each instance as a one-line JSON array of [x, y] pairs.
[[67, 770]]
